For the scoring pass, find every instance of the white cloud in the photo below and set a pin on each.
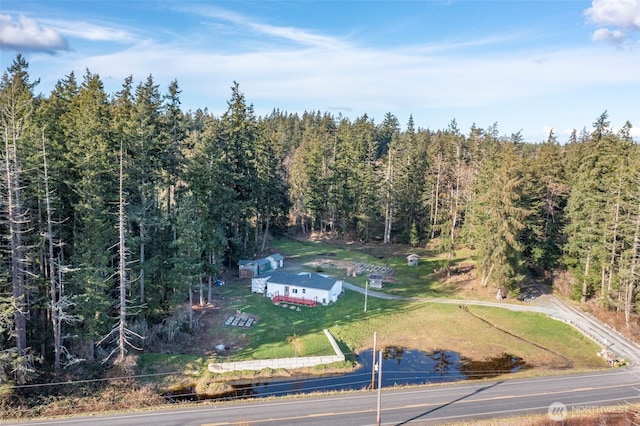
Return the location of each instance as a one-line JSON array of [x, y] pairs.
[[27, 34], [619, 13], [371, 78], [624, 15], [293, 34], [567, 132], [297, 35], [92, 32], [610, 36]]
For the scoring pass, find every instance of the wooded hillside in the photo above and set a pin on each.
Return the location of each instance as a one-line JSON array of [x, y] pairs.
[[116, 208]]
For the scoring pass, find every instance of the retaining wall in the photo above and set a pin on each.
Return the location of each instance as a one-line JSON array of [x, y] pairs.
[[288, 363]]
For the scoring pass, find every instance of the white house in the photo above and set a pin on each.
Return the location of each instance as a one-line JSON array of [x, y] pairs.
[[305, 288]]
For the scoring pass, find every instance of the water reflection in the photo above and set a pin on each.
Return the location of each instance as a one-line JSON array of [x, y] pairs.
[[400, 366], [492, 367], [443, 361], [392, 352]]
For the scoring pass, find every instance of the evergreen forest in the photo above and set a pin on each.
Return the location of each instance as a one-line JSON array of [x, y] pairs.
[[115, 208]]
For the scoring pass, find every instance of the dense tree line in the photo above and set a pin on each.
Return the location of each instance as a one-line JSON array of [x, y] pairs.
[[117, 208]]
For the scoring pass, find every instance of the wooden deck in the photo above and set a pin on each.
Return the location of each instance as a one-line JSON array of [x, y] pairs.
[[294, 300]]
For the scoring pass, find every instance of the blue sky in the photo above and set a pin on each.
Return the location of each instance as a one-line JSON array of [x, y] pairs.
[[528, 66]]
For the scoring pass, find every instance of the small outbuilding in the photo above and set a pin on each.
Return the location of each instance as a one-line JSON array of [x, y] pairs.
[[375, 280], [276, 260], [413, 260], [305, 288], [247, 268], [252, 268]]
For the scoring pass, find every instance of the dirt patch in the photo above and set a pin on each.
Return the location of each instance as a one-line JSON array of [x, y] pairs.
[[329, 264], [463, 282], [351, 269], [210, 335]]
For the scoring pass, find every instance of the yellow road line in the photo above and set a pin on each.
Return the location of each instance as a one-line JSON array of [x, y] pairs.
[[404, 407]]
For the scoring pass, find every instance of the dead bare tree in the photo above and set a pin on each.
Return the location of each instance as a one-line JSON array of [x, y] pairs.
[[15, 110], [388, 211], [53, 285], [122, 333], [60, 303]]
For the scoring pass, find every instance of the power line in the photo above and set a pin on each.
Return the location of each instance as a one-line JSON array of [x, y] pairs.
[[106, 379]]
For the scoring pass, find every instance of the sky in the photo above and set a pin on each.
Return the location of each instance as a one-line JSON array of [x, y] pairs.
[[527, 66]]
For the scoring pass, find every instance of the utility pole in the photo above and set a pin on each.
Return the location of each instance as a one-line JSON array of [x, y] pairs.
[[373, 362], [379, 387], [366, 291]]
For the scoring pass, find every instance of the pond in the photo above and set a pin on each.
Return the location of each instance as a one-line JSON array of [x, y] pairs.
[[399, 367]]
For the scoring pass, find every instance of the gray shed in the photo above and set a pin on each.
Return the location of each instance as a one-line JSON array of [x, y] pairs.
[[375, 280]]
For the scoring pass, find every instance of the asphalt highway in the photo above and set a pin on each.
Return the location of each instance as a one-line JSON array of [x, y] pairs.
[[436, 404]]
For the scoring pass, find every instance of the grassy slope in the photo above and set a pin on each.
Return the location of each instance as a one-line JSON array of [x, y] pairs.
[[478, 333]]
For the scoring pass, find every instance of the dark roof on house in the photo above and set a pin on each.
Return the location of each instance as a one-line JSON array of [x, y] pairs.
[[306, 279]]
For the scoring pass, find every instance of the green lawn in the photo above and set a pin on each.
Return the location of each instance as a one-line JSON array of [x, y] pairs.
[[418, 281], [478, 333], [283, 332]]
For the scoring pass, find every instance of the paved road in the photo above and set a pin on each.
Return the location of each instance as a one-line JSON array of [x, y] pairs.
[[466, 401], [545, 304]]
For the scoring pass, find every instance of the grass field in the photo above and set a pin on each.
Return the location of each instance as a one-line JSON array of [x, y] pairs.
[[477, 333], [420, 281]]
